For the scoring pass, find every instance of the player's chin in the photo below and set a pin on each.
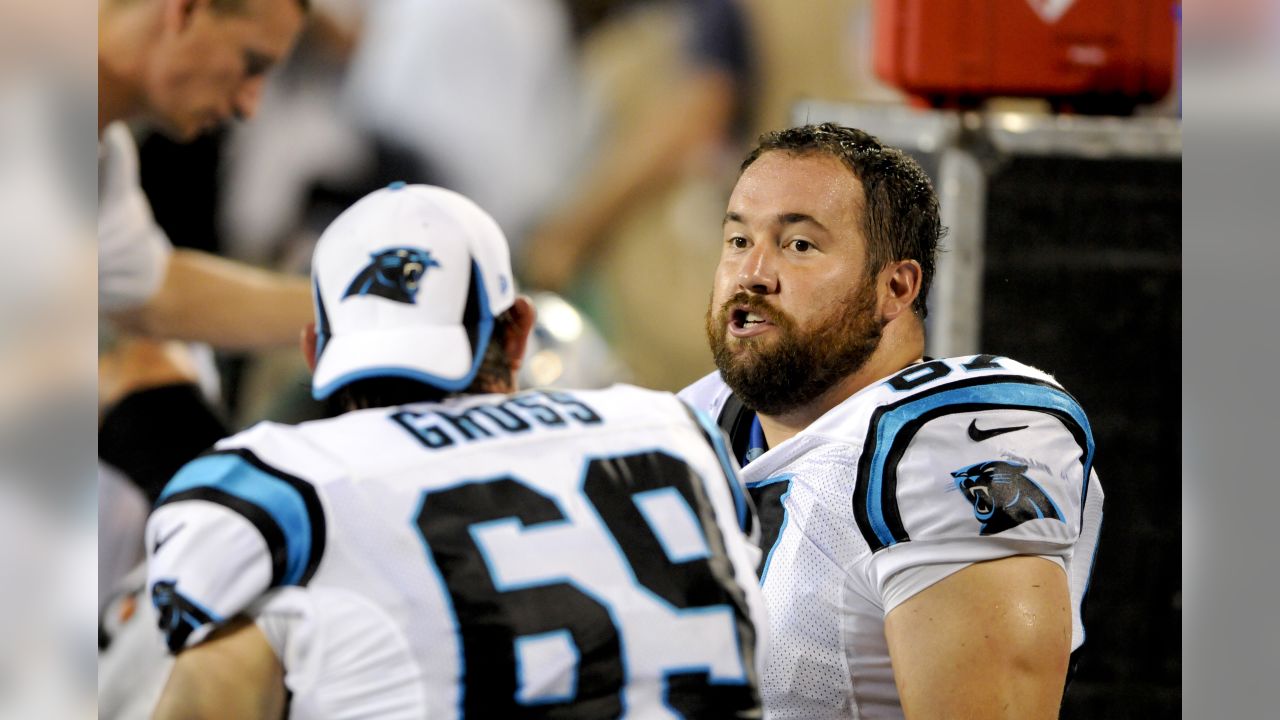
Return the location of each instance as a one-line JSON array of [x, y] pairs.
[[180, 130], [190, 127], [747, 353], [745, 366]]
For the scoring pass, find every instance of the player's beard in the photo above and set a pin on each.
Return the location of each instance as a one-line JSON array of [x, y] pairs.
[[776, 376]]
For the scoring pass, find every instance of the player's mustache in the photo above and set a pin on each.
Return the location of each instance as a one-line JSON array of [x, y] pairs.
[[757, 304]]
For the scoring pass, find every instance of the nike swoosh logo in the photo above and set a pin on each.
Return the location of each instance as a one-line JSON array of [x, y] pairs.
[[166, 538], [977, 434]]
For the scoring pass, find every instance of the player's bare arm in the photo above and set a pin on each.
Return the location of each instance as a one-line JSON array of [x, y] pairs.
[[991, 641], [207, 298], [234, 673]]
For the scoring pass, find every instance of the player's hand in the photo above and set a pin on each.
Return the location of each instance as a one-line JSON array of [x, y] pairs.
[[135, 364]]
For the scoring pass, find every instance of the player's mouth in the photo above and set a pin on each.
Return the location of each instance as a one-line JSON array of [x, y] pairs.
[[747, 322]]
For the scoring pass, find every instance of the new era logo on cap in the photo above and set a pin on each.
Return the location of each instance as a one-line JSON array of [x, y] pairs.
[[407, 282]]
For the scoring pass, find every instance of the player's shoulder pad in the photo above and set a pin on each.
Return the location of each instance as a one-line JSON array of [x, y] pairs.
[[719, 442], [623, 403], [999, 422], [619, 394], [708, 394], [984, 379], [284, 508]]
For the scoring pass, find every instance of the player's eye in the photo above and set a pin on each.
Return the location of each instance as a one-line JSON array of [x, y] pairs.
[[256, 64], [738, 242], [802, 246]]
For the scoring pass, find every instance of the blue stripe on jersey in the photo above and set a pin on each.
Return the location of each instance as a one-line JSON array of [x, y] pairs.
[[770, 480], [756, 444], [765, 513], [237, 475], [715, 436], [988, 393]]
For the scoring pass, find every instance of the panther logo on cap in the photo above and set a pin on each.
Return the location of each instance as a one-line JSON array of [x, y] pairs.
[[393, 274]]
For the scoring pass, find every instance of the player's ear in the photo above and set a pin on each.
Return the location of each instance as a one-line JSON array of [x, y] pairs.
[[523, 315], [901, 283], [178, 14], [307, 340]]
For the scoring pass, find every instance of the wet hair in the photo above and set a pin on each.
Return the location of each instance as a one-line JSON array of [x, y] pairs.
[[494, 375], [900, 208]]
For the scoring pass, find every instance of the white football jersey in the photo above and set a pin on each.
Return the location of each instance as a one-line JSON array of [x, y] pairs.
[[948, 463], [133, 252], [546, 554]]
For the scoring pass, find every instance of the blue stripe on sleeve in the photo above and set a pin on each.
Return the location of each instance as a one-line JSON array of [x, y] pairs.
[[1018, 395], [234, 475]]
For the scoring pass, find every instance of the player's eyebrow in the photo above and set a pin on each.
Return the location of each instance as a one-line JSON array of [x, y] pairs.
[[794, 218], [784, 219]]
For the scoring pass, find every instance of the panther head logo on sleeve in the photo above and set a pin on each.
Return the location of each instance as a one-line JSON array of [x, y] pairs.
[[1002, 496], [393, 274]]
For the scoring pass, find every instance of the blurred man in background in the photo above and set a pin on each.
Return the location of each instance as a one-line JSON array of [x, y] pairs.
[[183, 67], [471, 552], [929, 524]]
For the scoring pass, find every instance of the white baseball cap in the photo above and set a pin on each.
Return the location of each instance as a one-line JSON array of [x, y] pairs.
[[407, 282]]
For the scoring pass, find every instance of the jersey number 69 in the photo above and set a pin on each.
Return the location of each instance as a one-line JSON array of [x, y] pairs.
[[494, 617]]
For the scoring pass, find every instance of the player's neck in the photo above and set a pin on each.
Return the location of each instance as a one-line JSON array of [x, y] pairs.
[[110, 107], [899, 347]]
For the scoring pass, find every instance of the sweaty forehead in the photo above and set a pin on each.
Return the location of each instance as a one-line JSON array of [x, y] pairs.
[[780, 183]]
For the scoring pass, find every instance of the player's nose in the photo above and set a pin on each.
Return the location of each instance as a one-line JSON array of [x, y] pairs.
[[248, 97], [758, 272]]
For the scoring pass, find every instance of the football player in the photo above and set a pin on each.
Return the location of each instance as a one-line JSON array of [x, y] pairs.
[[929, 525], [445, 547]]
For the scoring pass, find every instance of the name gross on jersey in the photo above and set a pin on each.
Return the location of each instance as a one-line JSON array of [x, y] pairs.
[[437, 428]]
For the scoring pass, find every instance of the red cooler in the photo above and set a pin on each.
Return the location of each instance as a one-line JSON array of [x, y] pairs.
[[1077, 53]]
